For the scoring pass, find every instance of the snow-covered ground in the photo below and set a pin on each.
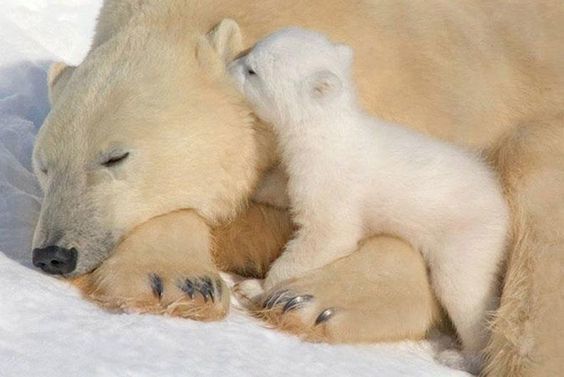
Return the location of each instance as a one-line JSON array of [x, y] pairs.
[[46, 329]]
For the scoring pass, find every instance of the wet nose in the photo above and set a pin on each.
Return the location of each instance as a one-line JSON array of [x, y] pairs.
[[55, 260]]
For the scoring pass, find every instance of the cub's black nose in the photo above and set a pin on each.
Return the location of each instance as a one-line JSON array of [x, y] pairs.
[[55, 260]]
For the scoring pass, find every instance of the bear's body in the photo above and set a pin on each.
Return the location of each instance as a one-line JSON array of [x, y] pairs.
[[352, 176], [487, 74]]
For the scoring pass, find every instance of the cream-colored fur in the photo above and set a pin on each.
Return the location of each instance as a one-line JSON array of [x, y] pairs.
[[352, 176], [90, 206], [487, 74]]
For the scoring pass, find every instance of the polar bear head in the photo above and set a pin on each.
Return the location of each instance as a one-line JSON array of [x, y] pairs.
[[293, 72], [134, 133]]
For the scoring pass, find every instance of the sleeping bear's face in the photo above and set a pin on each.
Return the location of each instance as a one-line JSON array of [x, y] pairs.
[[132, 136], [291, 73]]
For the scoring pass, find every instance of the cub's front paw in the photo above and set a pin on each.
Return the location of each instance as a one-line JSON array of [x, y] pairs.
[[198, 295], [282, 270], [248, 292]]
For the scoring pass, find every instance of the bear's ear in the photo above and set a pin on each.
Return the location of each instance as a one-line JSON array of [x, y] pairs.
[[346, 54], [57, 78], [226, 39], [324, 85], [220, 46]]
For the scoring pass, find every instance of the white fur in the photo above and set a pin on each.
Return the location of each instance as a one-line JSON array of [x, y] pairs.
[[351, 176]]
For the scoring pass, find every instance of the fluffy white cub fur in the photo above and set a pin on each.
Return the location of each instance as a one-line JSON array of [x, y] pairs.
[[351, 176]]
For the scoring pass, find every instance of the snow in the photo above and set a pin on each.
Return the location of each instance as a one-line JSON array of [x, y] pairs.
[[46, 329]]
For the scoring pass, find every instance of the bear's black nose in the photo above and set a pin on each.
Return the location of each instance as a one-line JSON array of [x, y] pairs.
[[55, 260]]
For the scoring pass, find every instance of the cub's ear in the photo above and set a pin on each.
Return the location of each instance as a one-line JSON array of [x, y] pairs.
[[324, 85], [220, 46], [346, 54], [57, 78]]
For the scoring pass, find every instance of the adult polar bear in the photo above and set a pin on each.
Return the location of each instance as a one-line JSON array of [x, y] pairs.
[[482, 73]]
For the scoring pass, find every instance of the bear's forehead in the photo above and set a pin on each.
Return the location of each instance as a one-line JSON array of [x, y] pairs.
[[294, 47], [282, 59], [294, 50], [296, 35]]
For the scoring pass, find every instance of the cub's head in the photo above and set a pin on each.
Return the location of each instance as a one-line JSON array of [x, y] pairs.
[[149, 123], [291, 73]]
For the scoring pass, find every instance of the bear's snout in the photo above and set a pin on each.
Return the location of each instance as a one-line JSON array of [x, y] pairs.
[[55, 260]]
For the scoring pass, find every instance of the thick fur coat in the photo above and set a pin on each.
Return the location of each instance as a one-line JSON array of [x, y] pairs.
[[486, 74]]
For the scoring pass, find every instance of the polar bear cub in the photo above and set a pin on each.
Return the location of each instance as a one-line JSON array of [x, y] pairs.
[[351, 176]]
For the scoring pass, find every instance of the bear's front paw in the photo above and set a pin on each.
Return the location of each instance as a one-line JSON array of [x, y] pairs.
[[297, 311], [285, 308], [198, 295]]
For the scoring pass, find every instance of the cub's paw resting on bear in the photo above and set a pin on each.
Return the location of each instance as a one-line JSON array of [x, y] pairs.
[[361, 298], [162, 267]]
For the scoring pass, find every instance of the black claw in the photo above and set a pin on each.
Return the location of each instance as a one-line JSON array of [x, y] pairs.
[[296, 303], [156, 285], [274, 299], [204, 286], [206, 289], [187, 287], [324, 316]]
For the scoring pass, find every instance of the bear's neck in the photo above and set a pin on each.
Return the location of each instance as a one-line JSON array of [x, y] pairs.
[[332, 129]]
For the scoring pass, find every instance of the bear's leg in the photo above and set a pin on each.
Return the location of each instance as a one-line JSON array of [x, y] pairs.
[[164, 266], [378, 293], [528, 328], [249, 244]]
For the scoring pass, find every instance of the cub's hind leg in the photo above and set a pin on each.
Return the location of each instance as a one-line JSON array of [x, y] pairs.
[[464, 274]]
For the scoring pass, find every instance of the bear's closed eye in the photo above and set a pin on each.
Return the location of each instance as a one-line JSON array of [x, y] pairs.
[[112, 161]]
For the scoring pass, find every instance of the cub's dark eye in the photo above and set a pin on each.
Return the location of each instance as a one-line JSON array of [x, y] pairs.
[[113, 161], [251, 72]]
